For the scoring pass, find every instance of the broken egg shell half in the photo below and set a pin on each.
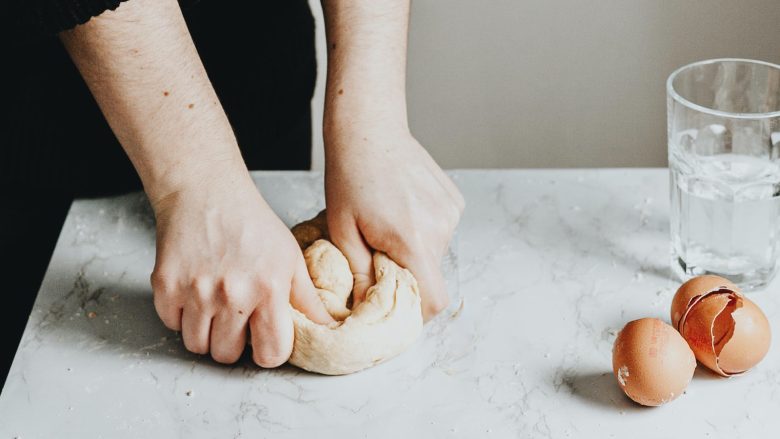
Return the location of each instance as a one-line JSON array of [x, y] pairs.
[[727, 332], [652, 362], [693, 290]]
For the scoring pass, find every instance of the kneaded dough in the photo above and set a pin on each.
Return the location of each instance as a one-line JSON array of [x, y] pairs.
[[379, 328]]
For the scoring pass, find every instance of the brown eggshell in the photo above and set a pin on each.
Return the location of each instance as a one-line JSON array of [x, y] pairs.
[[699, 330], [749, 341], [693, 290], [652, 362]]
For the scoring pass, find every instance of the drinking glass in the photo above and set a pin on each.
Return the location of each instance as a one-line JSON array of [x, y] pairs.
[[723, 126]]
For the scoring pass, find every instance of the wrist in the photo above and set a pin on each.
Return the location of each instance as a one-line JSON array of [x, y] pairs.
[[361, 107], [203, 175], [361, 126]]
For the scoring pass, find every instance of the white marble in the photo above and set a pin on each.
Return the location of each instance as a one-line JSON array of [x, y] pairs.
[[548, 266]]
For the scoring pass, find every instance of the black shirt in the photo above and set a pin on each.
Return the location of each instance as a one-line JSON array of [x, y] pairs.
[[261, 63]]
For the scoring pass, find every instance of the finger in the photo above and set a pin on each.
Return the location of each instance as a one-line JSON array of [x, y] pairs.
[[346, 236], [195, 329], [228, 335], [169, 312], [304, 297], [433, 289], [165, 301], [272, 330]]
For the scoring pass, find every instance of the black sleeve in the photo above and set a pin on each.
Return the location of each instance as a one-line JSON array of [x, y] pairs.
[[37, 18]]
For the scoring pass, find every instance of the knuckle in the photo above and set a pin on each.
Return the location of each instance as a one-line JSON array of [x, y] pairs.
[[163, 282], [233, 293], [201, 290], [270, 284], [201, 283]]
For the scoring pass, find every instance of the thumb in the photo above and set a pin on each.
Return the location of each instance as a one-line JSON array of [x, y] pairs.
[[304, 297], [345, 235]]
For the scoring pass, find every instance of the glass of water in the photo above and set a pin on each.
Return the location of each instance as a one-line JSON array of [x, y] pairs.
[[723, 120]]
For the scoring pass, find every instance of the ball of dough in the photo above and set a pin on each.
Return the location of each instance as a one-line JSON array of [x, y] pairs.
[[385, 324]]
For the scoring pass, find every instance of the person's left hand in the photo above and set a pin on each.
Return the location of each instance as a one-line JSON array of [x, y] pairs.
[[385, 192]]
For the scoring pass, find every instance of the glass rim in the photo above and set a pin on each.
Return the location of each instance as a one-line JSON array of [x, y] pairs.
[[676, 96]]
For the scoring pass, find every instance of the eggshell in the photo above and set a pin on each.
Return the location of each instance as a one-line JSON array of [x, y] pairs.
[[726, 331], [693, 290], [699, 330], [749, 342], [652, 362]]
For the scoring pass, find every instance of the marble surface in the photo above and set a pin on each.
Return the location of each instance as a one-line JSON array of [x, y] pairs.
[[545, 269]]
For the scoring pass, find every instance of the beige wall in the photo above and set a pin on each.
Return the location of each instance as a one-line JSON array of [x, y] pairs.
[[544, 83]]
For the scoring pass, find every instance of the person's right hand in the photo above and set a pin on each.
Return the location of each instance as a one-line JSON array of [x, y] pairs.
[[225, 261]]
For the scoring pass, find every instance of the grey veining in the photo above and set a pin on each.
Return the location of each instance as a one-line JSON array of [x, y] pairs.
[[545, 269]]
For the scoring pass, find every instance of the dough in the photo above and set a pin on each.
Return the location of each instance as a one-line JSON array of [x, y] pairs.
[[385, 324]]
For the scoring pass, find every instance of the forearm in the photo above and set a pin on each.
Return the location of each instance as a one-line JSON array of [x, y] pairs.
[[366, 86], [145, 74]]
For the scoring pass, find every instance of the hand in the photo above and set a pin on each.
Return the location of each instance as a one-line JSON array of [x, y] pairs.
[[224, 262], [385, 192]]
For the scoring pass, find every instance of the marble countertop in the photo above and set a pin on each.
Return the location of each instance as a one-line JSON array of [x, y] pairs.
[[546, 267]]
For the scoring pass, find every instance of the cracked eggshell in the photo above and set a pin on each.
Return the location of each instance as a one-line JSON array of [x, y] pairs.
[[700, 330], [727, 332], [750, 341], [652, 362], [693, 290]]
